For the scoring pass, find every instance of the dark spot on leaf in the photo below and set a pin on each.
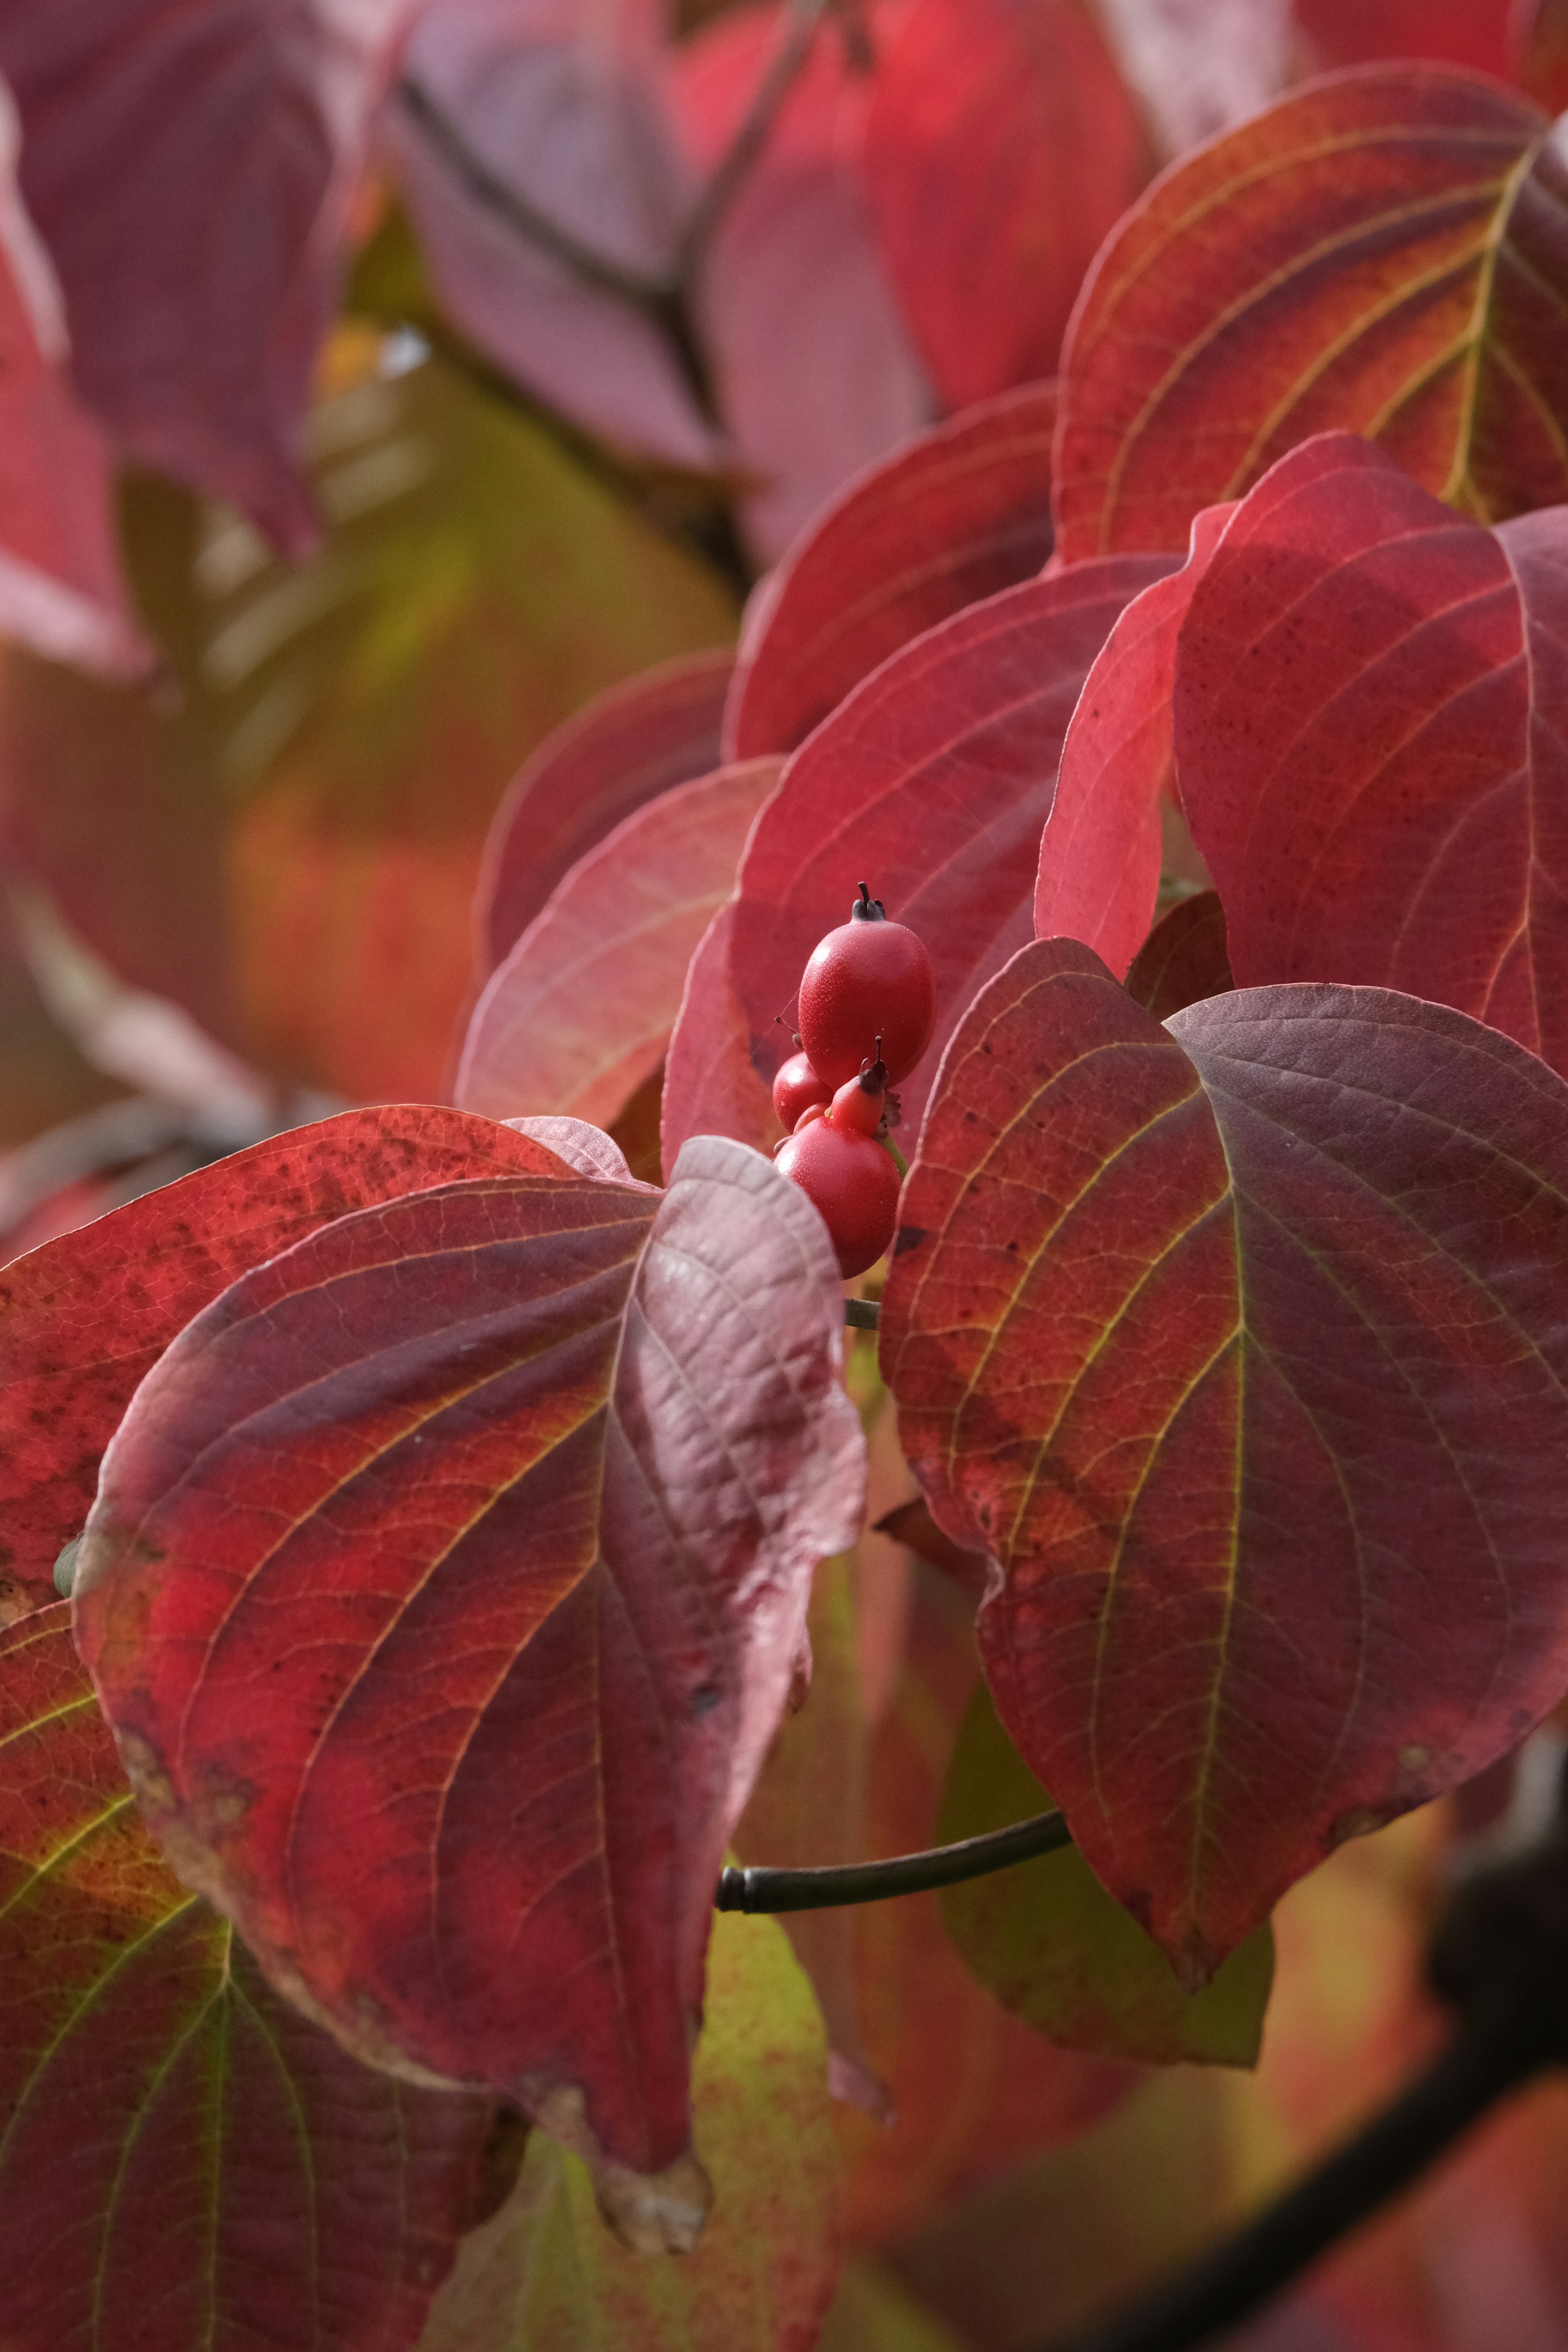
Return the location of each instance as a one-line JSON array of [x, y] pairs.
[[908, 1237], [704, 1701]]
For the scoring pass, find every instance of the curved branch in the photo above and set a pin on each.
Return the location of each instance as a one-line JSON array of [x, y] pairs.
[[751, 136], [1488, 2058], [905, 1873]]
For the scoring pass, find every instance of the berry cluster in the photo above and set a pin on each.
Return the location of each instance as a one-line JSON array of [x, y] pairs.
[[867, 1006]]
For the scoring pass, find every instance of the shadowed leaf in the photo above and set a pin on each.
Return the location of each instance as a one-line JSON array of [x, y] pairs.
[[1385, 252], [710, 1086], [1184, 959], [173, 2139], [194, 326], [1242, 1343], [537, 1472], [960, 513]]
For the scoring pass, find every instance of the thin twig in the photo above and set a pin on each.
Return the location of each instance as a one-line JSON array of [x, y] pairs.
[[906, 1874], [862, 1314], [750, 138], [1487, 2059], [497, 195]]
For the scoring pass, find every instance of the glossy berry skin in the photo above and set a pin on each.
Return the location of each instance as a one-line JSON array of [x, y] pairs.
[[795, 1087], [869, 979], [853, 1186]]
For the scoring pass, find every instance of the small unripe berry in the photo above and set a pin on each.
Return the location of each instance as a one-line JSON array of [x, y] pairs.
[[857, 1109]]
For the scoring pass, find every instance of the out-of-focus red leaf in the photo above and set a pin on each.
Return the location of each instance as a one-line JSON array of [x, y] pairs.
[[288, 845], [1278, 1500], [83, 1318], [625, 747], [1185, 960], [536, 1473], [1371, 740], [1102, 848], [175, 2141], [580, 1012], [959, 514], [560, 107], [1541, 57], [1057, 1951], [1001, 145], [710, 1084], [1385, 252], [1196, 66], [194, 324], [545, 2276], [1473, 34], [931, 782], [61, 590], [973, 2089], [815, 373]]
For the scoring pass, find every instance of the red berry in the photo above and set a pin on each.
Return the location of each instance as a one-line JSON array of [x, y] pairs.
[[851, 1182], [795, 1086], [869, 979]]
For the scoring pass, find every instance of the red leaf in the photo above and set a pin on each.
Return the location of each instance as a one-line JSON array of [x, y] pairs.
[[1001, 145], [61, 592], [173, 2139], [1370, 741], [84, 1317], [1185, 960], [537, 1473], [710, 1084], [625, 747], [816, 373], [1102, 848], [580, 1012], [561, 109], [932, 782], [1242, 1343], [195, 325], [1387, 252], [960, 513], [1469, 33], [1541, 62]]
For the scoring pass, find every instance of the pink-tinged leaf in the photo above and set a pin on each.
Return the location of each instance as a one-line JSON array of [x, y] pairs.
[[537, 1473], [585, 1150], [1102, 848], [624, 749], [931, 782], [1540, 53], [1185, 961], [84, 1317], [1371, 740], [960, 513], [1242, 1343], [1469, 33], [581, 1011], [517, 125], [1385, 252], [543, 2276], [816, 373], [710, 1084], [195, 323], [175, 2141], [1001, 145], [1196, 66], [61, 592]]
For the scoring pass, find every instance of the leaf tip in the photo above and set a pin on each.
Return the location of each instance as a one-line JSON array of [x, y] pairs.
[[650, 2212]]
